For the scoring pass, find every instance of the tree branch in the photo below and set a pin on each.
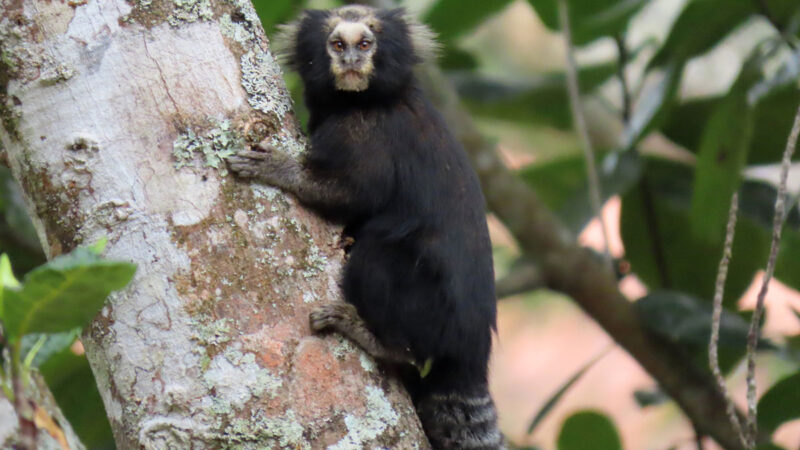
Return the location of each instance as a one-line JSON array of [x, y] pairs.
[[525, 275]]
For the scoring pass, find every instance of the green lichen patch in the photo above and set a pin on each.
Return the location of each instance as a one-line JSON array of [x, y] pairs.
[[215, 145]]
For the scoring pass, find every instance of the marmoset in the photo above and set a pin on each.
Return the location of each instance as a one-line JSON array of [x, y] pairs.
[[418, 281]]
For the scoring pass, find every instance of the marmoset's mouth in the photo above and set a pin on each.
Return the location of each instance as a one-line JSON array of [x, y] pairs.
[[352, 80]]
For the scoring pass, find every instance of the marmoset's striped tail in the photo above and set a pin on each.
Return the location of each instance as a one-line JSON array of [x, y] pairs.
[[459, 420]]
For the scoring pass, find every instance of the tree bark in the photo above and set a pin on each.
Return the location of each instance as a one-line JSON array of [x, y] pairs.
[[116, 119]]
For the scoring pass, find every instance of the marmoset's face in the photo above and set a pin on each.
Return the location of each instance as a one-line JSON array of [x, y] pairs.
[[351, 46]]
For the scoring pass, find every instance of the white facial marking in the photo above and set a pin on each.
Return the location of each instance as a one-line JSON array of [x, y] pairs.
[[351, 32]]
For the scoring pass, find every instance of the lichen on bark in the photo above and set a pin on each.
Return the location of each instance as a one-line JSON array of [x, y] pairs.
[[209, 346]]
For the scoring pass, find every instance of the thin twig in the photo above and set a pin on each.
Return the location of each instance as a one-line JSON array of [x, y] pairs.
[[595, 196], [622, 61], [719, 290], [755, 331]]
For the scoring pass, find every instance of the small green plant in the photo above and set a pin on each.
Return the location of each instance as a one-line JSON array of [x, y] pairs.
[[43, 315]]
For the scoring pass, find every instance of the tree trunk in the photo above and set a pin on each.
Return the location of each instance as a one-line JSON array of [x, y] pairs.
[[116, 119]]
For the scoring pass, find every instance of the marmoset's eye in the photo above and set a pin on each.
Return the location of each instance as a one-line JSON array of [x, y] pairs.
[[364, 45], [338, 45]]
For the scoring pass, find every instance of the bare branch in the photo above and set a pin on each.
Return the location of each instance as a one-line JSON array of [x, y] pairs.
[[595, 196], [755, 331], [719, 290], [523, 277]]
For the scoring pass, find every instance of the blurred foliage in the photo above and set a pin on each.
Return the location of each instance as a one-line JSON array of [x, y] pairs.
[[18, 239], [674, 205]]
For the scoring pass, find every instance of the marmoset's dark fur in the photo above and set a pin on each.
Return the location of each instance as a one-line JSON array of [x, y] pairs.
[[419, 282]]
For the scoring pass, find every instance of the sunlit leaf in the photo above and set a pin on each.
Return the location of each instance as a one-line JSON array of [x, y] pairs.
[[7, 278]]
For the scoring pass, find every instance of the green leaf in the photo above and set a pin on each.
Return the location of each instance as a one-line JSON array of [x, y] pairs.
[[556, 397], [723, 152], [7, 278], [588, 430], [64, 294], [53, 344], [777, 97], [562, 184], [686, 321], [98, 247], [273, 12], [589, 19], [664, 253], [780, 404], [451, 18], [653, 107], [73, 385], [700, 26], [774, 115], [17, 236], [539, 100], [687, 121], [454, 58]]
